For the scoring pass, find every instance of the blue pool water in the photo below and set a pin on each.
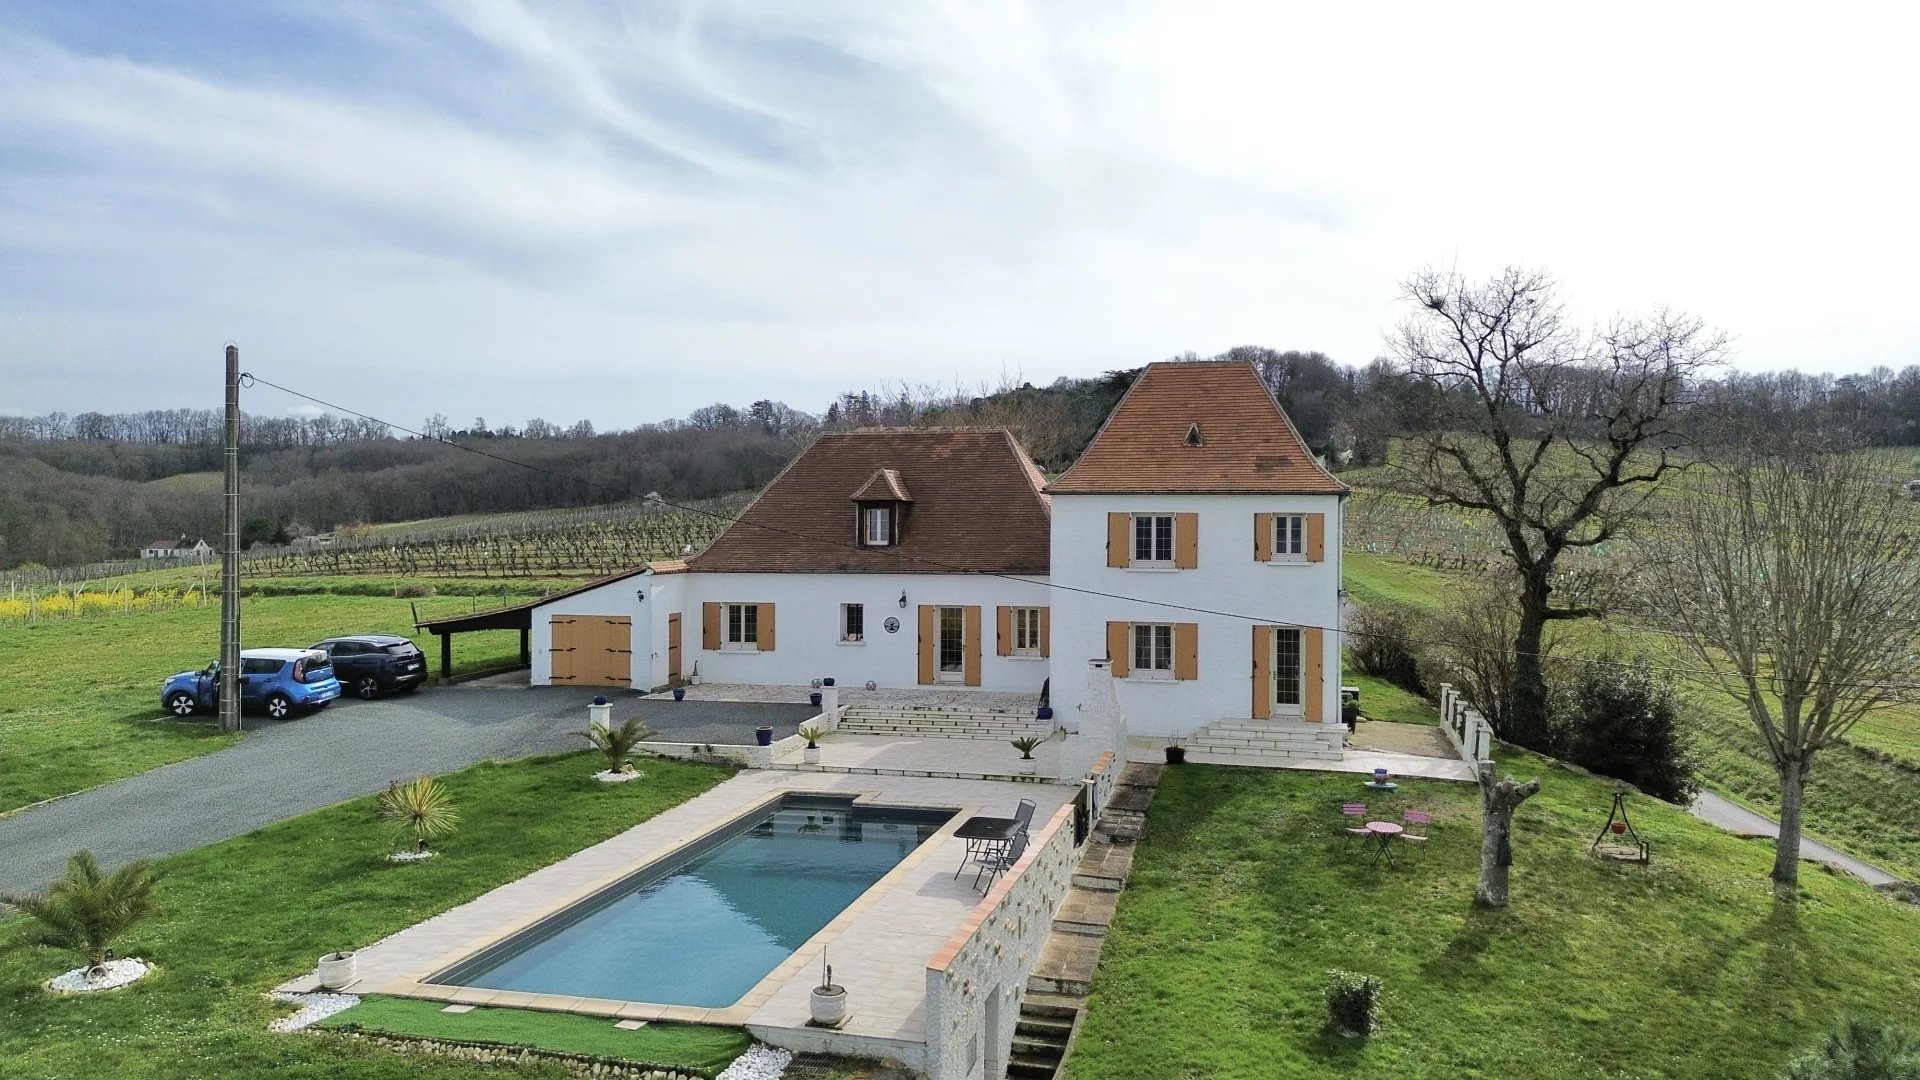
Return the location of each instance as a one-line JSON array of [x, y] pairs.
[[704, 926]]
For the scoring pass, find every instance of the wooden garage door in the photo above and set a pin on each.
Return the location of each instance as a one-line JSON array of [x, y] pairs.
[[591, 650]]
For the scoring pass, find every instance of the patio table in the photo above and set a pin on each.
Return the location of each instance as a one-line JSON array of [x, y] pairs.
[[982, 833], [1384, 832]]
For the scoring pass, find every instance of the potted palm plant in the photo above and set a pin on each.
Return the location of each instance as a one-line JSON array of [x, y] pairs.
[[1025, 745], [615, 744], [86, 912], [813, 733], [420, 807]]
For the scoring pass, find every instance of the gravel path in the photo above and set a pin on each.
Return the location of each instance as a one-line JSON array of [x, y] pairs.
[[1736, 818], [352, 748]]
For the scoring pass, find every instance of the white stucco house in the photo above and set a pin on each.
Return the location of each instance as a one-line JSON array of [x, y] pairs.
[[1192, 553], [183, 548]]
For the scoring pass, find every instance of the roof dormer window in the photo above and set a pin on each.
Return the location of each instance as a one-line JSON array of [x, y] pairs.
[[876, 525], [1193, 436]]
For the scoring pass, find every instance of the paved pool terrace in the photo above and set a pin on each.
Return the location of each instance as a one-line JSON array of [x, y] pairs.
[[879, 946]]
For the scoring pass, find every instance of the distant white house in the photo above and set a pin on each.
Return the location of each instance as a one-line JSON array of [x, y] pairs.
[[185, 547], [1192, 553]]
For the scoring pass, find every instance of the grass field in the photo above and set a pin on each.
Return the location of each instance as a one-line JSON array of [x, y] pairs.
[[707, 1049], [80, 700], [238, 917], [1244, 894], [1863, 798]]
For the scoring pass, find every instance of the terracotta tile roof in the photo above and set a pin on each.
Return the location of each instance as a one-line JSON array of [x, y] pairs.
[[884, 486], [1246, 442], [977, 507]]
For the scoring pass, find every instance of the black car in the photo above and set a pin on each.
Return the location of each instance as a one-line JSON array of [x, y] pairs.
[[369, 665]]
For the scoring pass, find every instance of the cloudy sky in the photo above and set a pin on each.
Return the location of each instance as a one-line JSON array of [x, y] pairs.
[[621, 211]]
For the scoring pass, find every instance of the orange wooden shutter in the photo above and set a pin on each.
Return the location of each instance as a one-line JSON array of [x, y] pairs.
[[1316, 537], [1186, 650], [1046, 632], [970, 641], [1119, 649], [1262, 537], [1262, 672], [929, 644], [710, 627], [1186, 541], [1003, 631], [1312, 673], [766, 627], [1119, 539]]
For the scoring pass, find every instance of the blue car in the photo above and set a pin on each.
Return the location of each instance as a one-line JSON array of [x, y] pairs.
[[273, 681]]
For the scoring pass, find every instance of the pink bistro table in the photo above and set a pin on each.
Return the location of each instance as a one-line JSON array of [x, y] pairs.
[[1384, 832]]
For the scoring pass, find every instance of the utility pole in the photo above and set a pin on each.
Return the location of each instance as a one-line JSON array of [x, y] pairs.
[[230, 558]]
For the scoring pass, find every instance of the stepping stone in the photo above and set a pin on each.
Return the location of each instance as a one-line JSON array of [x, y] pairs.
[[457, 1009], [631, 1025]]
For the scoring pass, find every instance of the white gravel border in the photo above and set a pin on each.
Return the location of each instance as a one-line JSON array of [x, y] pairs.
[[117, 974], [411, 856], [609, 776], [313, 1009], [758, 1063]]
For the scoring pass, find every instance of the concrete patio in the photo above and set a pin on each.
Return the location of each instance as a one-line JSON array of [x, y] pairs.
[[901, 697], [908, 755]]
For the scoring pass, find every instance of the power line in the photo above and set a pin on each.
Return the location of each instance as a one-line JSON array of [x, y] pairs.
[[653, 497]]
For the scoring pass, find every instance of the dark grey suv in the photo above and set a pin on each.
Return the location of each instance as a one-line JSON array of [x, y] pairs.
[[369, 665]]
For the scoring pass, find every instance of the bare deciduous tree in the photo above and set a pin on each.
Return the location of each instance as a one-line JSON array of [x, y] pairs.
[[1555, 432], [1789, 576]]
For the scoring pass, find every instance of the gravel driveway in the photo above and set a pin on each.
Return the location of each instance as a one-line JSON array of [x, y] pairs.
[[352, 748]]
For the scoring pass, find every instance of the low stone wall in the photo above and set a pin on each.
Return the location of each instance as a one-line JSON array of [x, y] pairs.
[[752, 756], [975, 981], [1100, 780], [1466, 729], [575, 1064]]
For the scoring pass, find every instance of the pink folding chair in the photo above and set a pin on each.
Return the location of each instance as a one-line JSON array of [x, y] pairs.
[[1420, 818], [1357, 811]]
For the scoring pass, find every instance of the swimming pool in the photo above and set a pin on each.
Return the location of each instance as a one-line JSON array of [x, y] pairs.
[[703, 926]]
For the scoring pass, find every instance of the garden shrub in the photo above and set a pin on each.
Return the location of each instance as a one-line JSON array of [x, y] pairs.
[[1353, 1002], [1860, 1050], [1381, 643], [1622, 720]]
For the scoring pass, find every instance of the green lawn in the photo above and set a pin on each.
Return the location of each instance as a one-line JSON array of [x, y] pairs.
[[237, 917], [80, 698], [1244, 894], [1381, 700], [708, 1049], [1372, 579]]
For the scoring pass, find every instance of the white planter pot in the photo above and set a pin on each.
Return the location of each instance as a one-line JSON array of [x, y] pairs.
[[1027, 765], [829, 1004], [335, 970], [600, 715], [693, 680], [811, 755]]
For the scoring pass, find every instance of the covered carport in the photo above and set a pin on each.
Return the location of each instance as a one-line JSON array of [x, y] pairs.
[[519, 617]]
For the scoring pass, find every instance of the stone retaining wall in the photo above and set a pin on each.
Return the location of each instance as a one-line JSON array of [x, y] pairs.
[[575, 1064]]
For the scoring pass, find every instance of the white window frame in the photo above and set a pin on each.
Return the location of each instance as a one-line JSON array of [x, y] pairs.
[[877, 525], [1026, 631], [733, 634], [1157, 634], [1281, 636], [847, 638], [1156, 561], [942, 673], [1289, 538]]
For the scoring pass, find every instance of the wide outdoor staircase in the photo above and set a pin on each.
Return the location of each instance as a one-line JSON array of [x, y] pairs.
[[1041, 1035], [940, 722], [1260, 742]]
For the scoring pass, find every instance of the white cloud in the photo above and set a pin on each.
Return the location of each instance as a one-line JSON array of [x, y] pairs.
[[623, 214]]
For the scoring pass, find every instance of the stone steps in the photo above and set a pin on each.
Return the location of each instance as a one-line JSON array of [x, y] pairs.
[[1247, 742], [942, 723]]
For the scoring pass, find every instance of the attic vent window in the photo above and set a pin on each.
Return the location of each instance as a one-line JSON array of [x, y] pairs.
[[1193, 436]]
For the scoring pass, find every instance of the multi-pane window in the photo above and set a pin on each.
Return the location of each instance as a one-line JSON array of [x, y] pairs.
[[743, 626], [1026, 631], [1289, 537], [853, 622], [1153, 539], [879, 530], [1153, 650], [1287, 668]]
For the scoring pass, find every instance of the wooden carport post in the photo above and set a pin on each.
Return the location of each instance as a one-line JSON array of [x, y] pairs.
[[526, 647], [446, 657]]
